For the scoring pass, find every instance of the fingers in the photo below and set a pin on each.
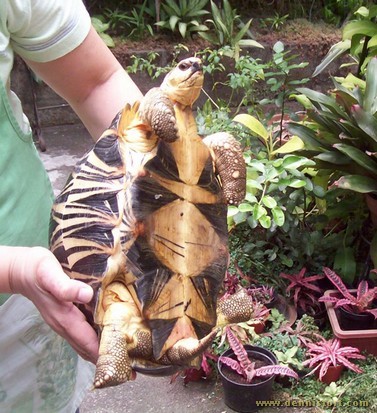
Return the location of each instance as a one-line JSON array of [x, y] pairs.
[[54, 293], [70, 323]]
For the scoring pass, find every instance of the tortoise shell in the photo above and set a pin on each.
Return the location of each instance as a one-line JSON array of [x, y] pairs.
[[143, 220]]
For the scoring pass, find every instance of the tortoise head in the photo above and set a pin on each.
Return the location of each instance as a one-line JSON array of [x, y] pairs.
[[184, 83]]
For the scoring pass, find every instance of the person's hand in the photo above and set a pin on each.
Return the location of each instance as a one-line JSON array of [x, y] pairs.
[[37, 274]]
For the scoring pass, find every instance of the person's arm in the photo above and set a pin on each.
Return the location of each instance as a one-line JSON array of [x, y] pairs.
[[36, 274], [92, 81]]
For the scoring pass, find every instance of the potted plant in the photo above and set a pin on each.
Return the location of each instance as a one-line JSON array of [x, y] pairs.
[[357, 308], [329, 358], [305, 291], [247, 374], [264, 294]]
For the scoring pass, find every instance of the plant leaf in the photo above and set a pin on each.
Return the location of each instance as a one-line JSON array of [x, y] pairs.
[[253, 124], [357, 183], [335, 51]]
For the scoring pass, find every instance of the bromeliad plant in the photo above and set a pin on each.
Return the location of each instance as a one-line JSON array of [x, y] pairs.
[[304, 290], [362, 302], [325, 353], [245, 367]]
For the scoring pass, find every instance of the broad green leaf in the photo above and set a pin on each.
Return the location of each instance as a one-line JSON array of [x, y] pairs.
[[182, 27], [318, 97], [335, 51], [302, 100], [265, 221], [333, 158], [250, 197], [366, 28], [360, 157], [259, 212], [173, 22], [109, 42], [366, 121], [357, 183], [253, 124], [253, 184], [232, 210], [295, 162], [294, 144], [370, 97], [278, 47], [373, 41], [307, 135], [250, 43], [278, 216], [245, 207], [297, 183], [269, 202]]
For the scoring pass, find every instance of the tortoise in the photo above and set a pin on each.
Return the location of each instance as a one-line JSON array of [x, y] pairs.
[[143, 220]]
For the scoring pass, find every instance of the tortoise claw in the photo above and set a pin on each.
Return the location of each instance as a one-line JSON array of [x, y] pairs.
[[187, 349]]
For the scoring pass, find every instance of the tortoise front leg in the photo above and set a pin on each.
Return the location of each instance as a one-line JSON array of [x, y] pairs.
[[156, 109], [230, 165]]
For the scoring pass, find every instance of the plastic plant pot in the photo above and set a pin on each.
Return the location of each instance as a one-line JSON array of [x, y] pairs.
[[333, 373], [245, 397], [364, 340]]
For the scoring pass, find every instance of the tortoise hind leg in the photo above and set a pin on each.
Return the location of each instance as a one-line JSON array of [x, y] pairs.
[[230, 165], [121, 335], [186, 351]]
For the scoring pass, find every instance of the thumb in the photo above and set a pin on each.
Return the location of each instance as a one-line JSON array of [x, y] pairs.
[[52, 279]]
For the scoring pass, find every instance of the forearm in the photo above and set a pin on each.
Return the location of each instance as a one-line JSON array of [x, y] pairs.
[[99, 108], [92, 81]]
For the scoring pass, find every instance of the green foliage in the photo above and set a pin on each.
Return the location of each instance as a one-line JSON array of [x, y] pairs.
[[133, 23], [340, 133], [271, 181], [276, 22], [101, 28], [359, 40], [225, 23], [141, 64], [184, 15], [283, 76]]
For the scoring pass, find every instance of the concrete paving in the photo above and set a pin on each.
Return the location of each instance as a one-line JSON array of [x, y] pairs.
[[66, 144]]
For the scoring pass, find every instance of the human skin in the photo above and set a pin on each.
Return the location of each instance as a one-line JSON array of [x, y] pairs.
[[97, 87]]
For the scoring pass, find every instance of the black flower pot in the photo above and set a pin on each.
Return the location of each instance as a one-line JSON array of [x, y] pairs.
[[242, 396], [355, 321]]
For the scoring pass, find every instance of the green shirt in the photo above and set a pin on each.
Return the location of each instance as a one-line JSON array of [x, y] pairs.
[[39, 370]]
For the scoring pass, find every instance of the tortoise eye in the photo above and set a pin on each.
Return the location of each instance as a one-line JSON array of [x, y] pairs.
[[184, 66]]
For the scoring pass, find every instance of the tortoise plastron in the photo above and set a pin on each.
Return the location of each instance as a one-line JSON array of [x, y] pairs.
[[143, 220]]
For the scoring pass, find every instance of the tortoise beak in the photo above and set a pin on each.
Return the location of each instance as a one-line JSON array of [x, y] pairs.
[[197, 67]]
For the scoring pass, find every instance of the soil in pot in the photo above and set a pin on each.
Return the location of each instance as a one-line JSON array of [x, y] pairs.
[[240, 395]]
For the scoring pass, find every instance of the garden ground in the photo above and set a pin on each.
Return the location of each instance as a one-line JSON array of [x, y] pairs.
[[65, 145]]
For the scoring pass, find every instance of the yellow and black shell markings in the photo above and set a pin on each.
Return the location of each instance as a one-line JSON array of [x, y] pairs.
[[180, 255], [142, 220]]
